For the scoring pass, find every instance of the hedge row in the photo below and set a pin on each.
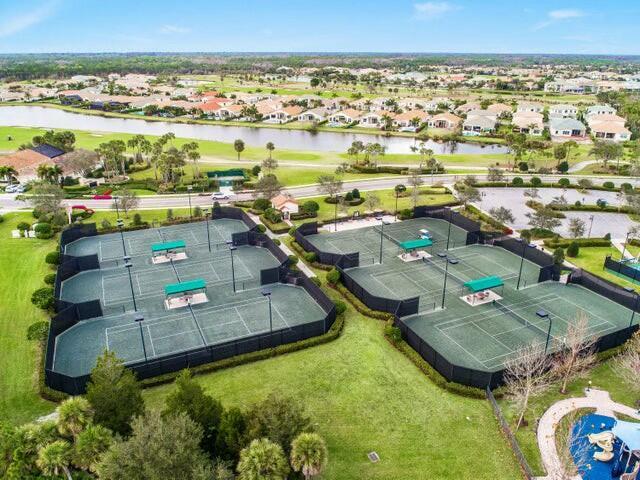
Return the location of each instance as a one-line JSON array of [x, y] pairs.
[[276, 228], [592, 208], [302, 253], [582, 242]]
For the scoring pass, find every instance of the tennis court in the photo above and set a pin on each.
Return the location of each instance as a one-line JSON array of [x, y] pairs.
[[367, 240], [228, 314], [481, 337]]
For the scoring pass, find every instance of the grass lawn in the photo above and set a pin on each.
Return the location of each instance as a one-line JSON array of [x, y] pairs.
[[603, 377], [23, 267], [428, 196], [592, 260], [366, 396]]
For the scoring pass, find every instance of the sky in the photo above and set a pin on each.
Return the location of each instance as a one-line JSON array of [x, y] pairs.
[[463, 26]]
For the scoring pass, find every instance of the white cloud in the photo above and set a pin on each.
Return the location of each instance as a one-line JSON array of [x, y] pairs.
[[560, 15], [21, 21], [169, 29], [430, 10]]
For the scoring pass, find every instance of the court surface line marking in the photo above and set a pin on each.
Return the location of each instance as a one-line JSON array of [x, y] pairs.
[[242, 318], [275, 307], [153, 347]]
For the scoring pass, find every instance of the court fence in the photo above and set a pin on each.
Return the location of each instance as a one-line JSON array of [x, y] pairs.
[[69, 314], [455, 218], [621, 267], [548, 270]]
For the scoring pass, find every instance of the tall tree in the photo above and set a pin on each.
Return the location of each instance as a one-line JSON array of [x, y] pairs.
[[74, 414], [607, 151], [270, 148], [55, 458], [576, 227], [269, 164], [628, 363], [309, 454], [238, 146], [543, 218], [415, 181], [190, 150], [502, 215], [128, 200], [90, 446], [268, 187], [114, 394], [262, 460], [329, 185], [189, 397], [159, 448], [47, 198]]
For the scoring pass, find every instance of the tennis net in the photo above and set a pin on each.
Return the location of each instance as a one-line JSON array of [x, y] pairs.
[[520, 318], [387, 236], [448, 272]]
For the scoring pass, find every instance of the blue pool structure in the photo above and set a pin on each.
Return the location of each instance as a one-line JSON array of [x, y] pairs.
[[625, 453]]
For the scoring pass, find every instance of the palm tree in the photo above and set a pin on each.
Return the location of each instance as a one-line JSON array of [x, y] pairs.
[[90, 445], [8, 173], [55, 458], [238, 146], [309, 454], [270, 148], [262, 460], [191, 151], [74, 414]]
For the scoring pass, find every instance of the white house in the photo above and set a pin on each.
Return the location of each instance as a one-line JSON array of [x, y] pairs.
[[611, 131], [600, 110], [534, 107], [563, 111], [319, 114], [410, 118], [283, 115], [444, 120], [529, 123], [345, 117], [478, 125], [567, 128], [374, 119]]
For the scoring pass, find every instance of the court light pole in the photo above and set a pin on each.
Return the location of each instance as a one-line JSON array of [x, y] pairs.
[[233, 271], [444, 284], [139, 319], [591, 217], [381, 235], [449, 229], [524, 247], [128, 265], [120, 224], [624, 247], [115, 203], [335, 215], [189, 188], [267, 293], [206, 216], [546, 345]]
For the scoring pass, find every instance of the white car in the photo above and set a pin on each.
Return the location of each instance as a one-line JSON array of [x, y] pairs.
[[219, 196], [15, 188]]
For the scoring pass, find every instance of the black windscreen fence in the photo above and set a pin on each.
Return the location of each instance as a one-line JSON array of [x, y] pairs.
[[548, 271], [69, 314], [445, 213], [622, 268], [605, 288], [76, 232]]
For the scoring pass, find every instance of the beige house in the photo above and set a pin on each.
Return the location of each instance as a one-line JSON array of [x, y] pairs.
[[534, 107], [411, 118], [529, 123], [345, 117], [314, 115], [500, 109], [285, 204], [444, 120], [283, 115], [374, 119]]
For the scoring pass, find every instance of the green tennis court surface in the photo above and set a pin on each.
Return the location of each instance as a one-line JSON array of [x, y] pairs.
[[227, 315], [480, 337]]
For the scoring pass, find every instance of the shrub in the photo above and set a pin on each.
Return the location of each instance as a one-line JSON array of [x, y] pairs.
[[293, 260], [1, 219], [573, 250], [602, 203], [393, 334], [52, 258], [50, 278], [255, 170], [292, 232], [523, 166], [43, 230], [348, 197], [563, 167], [607, 236], [169, 214], [626, 187], [261, 228], [38, 330], [137, 220], [564, 182], [578, 203], [23, 226], [355, 193], [406, 214], [273, 215], [197, 212], [517, 181], [558, 256], [310, 206], [261, 204], [43, 298], [333, 276], [536, 181], [609, 185], [341, 307], [277, 241], [105, 224], [310, 257], [316, 280]]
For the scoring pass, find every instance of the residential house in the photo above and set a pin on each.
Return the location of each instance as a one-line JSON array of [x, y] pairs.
[[345, 117], [530, 123], [563, 111], [609, 127], [27, 161], [534, 107], [319, 114], [283, 115], [567, 128], [479, 124], [285, 204], [599, 110], [228, 112], [375, 119], [467, 107], [483, 113], [444, 120], [435, 103], [501, 109], [409, 103], [411, 119]]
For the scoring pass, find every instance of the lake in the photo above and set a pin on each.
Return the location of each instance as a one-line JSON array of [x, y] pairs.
[[32, 116]]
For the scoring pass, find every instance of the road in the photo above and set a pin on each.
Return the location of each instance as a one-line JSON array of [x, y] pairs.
[[8, 202]]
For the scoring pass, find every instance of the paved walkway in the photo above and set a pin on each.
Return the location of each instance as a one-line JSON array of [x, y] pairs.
[[598, 399], [619, 244]]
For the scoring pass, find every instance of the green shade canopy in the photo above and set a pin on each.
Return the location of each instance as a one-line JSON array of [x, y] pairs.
[[175, 288], [161, 247], [413, 244], [484, 283]]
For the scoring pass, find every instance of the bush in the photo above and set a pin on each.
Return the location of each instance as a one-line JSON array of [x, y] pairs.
[[564, 182], [573, 250], [105, 224], [563, 167], [607, 236], [393, 334], [170, 214], [523, 166], [43, 298], [53, 258], [536, 181], [348, 197], [310, 206], [273, 215], [23, 227], [293, 260], [558, 256], [261, 228], [310, 257], [255, 170], [137, 219], [341, 307], [626, 187], [197, 212], [277, 241], [38, 330], [517, 181], [406, 214], [355, 193], [43, 230], [50, 278], [261, 204], [292, 232], [609, 185], [316, 281], [333, 276]]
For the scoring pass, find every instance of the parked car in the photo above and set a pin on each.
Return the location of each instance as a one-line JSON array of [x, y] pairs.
[[14, 188], [219, 196]]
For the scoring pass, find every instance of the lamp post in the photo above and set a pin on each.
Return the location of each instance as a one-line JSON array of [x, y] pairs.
[[115, 203], [335, 215], [546, 345], [206, 216], [120, 224], [624, 247], [139, 319], [189, 188], [449, 229], [524, 247], [233, 271], [591, 217], [381, 235], [128, 265], [635, 304], [267, 293]]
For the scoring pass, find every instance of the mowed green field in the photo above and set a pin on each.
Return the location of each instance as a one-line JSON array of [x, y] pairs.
[[23, 268], [366, 396]]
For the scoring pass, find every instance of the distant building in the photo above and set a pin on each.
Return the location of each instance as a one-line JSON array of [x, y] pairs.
[[285, 204]]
